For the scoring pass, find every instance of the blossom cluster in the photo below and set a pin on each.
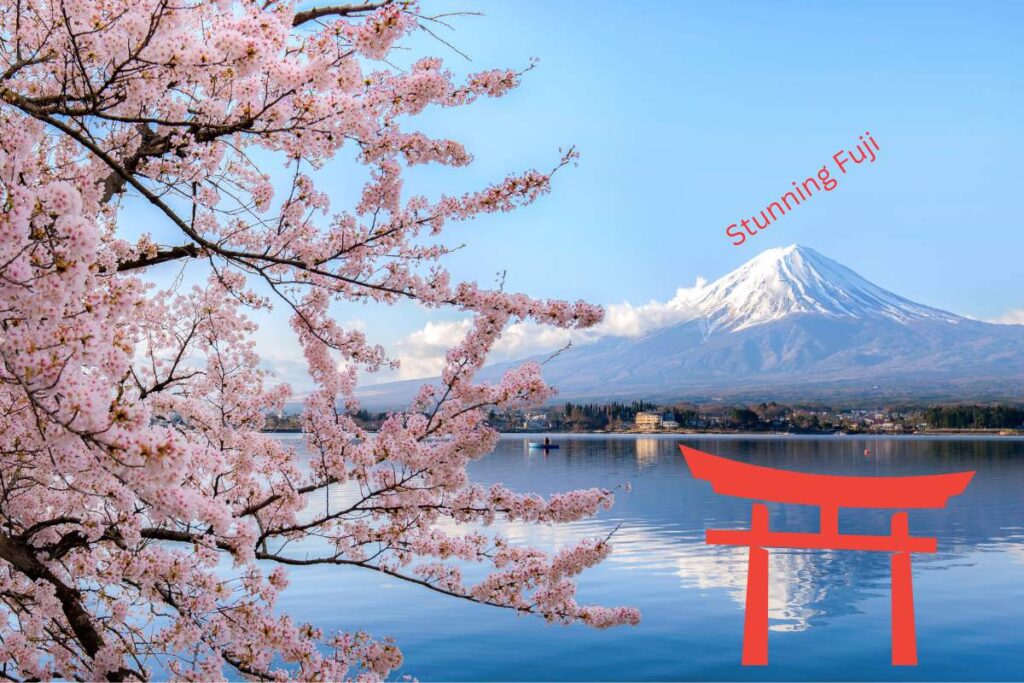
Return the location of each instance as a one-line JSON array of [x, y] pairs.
[[131, 449]]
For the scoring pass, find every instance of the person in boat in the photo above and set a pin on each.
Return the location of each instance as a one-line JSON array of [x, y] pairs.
[[547, 441]]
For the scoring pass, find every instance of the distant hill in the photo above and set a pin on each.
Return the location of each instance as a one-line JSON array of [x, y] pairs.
[[789, 324]]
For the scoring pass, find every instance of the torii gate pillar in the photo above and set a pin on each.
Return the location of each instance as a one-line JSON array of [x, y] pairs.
[[829, 493]]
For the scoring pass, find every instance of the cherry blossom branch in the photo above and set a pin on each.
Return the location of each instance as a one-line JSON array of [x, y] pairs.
[[21, 557], [354, 9], [131, 450]]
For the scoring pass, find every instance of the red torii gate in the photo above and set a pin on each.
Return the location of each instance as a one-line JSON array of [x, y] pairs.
[[829, 493]]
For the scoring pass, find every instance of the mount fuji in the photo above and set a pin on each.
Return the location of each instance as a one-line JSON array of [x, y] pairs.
[[789, 324]]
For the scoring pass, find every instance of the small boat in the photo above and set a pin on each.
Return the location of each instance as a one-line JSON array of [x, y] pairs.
[[544, 446]]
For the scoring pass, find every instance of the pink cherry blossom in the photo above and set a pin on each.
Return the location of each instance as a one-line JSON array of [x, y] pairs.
[[134, 466]]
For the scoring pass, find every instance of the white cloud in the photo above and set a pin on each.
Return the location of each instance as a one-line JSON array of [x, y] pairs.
[[1012, 317], [627, 320], [422, 352]]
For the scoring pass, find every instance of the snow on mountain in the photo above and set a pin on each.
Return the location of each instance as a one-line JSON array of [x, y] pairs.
[[790, 280], [790, 323]]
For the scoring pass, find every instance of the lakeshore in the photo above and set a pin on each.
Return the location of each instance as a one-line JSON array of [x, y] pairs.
[[684, 418], [979, 433]]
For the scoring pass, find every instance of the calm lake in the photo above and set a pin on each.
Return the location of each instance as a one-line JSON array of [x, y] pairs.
[[829, 611]]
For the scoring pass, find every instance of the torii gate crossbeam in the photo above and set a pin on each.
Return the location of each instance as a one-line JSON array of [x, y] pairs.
[[829, 493]]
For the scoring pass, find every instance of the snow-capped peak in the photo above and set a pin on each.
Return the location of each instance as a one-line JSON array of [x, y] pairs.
[[792, 280]]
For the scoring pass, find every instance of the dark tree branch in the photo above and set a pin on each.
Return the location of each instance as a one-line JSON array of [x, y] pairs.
[[152, 145], [22, 558], [337, 11], [163, 255]]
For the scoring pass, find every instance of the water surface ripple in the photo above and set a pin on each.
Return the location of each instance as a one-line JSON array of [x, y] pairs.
[[829, 610]]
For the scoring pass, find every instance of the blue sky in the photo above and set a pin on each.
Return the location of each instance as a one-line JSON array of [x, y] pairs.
[[692, 115]]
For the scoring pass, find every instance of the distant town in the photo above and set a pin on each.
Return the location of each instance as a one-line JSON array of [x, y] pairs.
[[769, 417]]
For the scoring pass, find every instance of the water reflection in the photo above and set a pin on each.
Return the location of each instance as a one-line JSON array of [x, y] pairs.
[[970, 595], [646, 448]]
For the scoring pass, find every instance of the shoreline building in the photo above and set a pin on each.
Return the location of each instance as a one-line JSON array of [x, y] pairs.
[[647, 421]]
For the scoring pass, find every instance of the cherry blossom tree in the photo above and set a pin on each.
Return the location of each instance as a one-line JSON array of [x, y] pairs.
[[146, 518]]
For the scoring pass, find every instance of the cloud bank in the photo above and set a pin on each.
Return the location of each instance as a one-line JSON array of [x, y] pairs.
[[1012, 317], [422, 353]]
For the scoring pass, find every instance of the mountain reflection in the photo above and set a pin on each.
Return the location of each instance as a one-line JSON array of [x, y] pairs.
[[661, 563], [664, 517]]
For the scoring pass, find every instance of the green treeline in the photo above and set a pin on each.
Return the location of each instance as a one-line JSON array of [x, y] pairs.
[[772, 416], [763, 417], [974, 417], [582, 416], [619, 410]]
